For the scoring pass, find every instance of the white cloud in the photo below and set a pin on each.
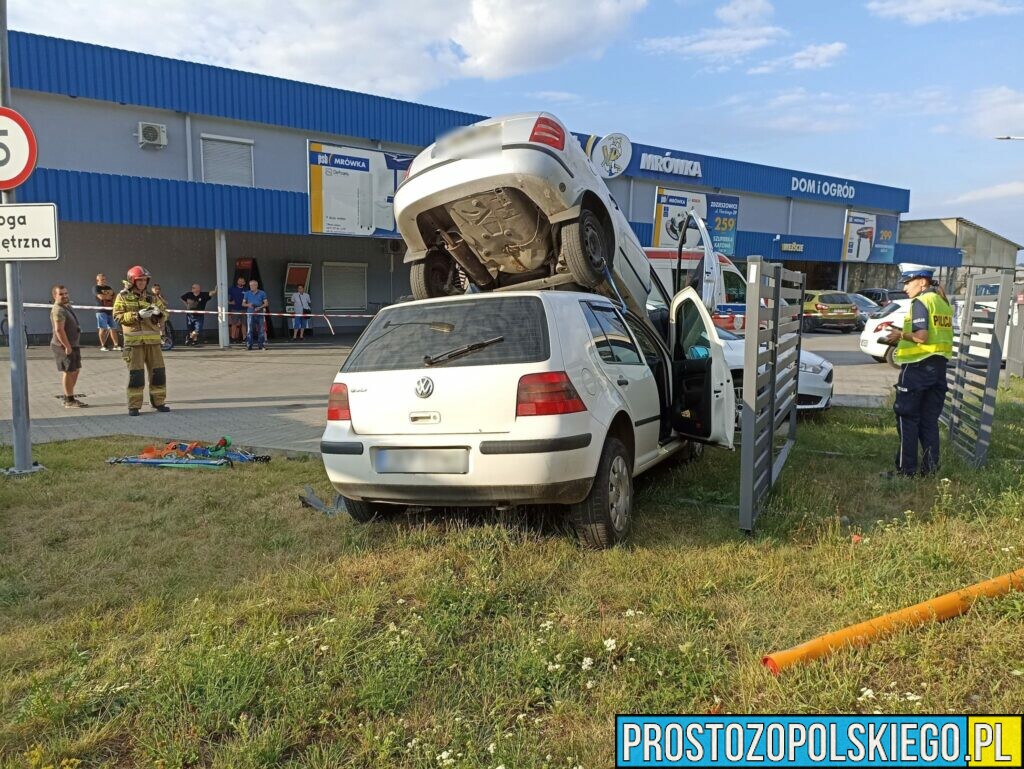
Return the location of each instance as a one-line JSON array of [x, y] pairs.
[[501, 38], [811, 57], [746, 28], [556, 97], [744, 13], [995, 192], [996, 111], [919, 12], [794, 112], [394, 47]]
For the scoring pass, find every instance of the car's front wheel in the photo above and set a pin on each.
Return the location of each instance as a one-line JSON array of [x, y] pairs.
[[585, 249], [603, 519], [364, 512], [847, 329], [435, 275]]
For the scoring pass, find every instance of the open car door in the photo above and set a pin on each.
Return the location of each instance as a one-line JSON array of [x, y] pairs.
[[703, 399]]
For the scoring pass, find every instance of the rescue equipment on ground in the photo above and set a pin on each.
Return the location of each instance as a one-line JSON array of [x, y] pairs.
[[195, 454]]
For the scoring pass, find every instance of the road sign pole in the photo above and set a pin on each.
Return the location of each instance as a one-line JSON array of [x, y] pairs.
[[15, 318]]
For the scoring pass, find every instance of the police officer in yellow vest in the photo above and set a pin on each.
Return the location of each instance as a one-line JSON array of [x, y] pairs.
[[141, 317], [923, 346]]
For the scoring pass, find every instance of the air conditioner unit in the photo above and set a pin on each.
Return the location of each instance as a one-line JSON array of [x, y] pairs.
[[152, 135], [394, 246]]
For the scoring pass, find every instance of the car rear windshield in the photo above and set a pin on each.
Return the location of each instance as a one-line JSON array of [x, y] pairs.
[[401, 336], [894, 295], [835, 298]]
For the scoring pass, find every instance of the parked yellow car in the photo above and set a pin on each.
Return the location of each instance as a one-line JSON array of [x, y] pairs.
[[829, 309]]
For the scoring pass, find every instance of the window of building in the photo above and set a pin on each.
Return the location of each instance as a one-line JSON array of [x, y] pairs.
[[344, 285], [227, 160]]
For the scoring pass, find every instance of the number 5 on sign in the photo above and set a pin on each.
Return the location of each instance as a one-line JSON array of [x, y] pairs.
[[18, 149]]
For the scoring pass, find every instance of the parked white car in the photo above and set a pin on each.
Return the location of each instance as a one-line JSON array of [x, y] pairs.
[[514, 398], [514, 202], [891, 316], [814, 386]]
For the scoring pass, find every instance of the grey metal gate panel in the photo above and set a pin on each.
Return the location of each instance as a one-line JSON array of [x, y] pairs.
[[973, 373], [771, 376], [1015, 342]]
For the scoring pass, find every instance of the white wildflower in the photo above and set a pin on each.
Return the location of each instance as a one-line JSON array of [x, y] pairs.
[[609, 644], [400, 601], [324, 647], [588, 663], [491, 748], [630, 613], [547, 625], [590, 684], [911, 697], [866, 694]]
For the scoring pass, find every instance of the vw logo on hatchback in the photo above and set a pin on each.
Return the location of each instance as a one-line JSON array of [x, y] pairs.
[[425, 387]]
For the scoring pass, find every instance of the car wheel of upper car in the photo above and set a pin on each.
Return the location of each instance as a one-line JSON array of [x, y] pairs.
[[847, 329], [585, 248], [604, 517], [436, 275], [364, 512], [890, 357], [879, 358], [808, 325]]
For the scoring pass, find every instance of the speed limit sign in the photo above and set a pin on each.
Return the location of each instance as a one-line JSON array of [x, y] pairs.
[[18, 149]]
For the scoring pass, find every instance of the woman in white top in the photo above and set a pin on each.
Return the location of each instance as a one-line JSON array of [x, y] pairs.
[[302, 305]]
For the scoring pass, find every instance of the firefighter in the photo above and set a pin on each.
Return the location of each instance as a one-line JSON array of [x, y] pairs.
[[141, 316], [923, 346]]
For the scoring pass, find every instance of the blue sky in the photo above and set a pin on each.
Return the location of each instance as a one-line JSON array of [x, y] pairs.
[[902, 92]]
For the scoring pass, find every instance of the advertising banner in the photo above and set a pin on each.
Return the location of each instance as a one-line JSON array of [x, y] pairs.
[[719, 212], [352, 190], [870, 238]]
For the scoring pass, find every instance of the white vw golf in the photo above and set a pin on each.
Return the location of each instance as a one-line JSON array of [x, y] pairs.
[[512, 398]]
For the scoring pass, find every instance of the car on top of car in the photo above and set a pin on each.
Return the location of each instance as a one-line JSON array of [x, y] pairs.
[[514, 202]]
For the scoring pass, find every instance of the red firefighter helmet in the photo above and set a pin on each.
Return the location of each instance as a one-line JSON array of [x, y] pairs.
[[137, 272]]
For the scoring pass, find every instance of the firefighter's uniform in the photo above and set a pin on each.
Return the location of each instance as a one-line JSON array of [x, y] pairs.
[[921, 388], [141, 347]]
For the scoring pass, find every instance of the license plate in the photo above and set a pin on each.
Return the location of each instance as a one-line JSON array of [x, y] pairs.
[[474, 140], [443, 461]]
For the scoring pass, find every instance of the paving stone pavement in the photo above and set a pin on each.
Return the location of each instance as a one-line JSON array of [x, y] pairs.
[[274, 399]]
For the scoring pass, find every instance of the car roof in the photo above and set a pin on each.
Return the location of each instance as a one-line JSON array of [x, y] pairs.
[[546, 295]]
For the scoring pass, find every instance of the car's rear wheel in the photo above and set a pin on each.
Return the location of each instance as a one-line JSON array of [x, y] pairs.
[[364, 512], [847, 329], [436, 275], [890, 357], [808, 325], [879, 358], [585, 248], [603, 519]]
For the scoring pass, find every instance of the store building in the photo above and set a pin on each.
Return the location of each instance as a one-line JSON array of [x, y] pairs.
[[199, 172]]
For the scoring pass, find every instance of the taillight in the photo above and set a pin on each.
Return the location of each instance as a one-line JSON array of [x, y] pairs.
[[820, 307], [337, 404], [882, 327], [547, 131], [547, 393]]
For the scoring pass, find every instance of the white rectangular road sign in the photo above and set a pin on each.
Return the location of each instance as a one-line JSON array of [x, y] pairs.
[[28, 232]]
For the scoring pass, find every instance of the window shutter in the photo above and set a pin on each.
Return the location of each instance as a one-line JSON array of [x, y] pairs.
[[227, 162], [344, 286]]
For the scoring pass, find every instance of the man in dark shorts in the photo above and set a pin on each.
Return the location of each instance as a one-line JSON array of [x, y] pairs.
[[66, 336], [105, 324], [195, 302]]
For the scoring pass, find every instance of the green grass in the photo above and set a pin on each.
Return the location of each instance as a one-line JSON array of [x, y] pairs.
[[177, 618]]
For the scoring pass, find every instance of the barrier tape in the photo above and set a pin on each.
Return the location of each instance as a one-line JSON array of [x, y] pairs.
[[325, 316]]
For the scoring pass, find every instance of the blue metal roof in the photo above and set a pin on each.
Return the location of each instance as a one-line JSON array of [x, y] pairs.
[[936, 256], [51, 65], [110, 199]]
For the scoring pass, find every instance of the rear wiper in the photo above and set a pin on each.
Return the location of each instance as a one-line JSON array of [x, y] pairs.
[[458, 352]]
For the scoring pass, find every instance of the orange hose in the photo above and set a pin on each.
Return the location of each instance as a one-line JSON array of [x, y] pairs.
[[937, 609]]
